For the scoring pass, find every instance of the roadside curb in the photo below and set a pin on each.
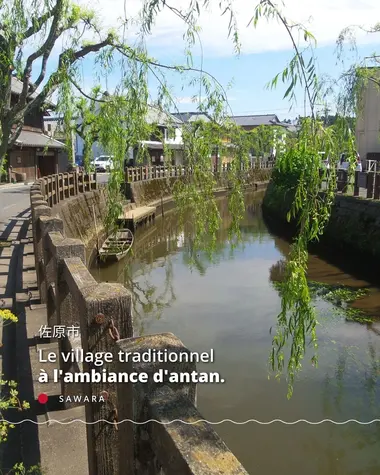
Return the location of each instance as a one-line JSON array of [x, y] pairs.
[[14, 185]]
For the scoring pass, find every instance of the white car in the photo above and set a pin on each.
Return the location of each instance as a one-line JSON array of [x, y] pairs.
[[103, 163]]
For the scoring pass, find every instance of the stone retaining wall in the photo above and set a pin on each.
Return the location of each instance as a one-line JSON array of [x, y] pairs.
[[147, 192], [83, 215], [354, 224], [103, 311]]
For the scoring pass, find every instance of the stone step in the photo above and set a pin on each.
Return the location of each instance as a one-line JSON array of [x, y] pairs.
[[37, 306], [29, 279], [28, 261], [6, 303], [4, 266], [26, 241], [6, 252], [66, 441], [29, 250], [35, 319]]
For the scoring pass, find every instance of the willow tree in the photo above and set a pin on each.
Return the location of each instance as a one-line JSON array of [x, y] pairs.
[[122, 123], [35, 28], [299, 163]]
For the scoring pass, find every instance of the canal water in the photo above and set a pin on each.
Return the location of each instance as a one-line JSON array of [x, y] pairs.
[[229, 304]]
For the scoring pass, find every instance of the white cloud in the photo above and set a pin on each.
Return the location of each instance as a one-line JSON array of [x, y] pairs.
[[324, 18], [186, 100]]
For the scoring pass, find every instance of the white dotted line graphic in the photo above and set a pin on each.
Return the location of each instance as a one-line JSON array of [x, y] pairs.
[[348, 421]]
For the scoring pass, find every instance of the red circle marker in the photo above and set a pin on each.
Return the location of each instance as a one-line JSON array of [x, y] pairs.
[[42, 398]]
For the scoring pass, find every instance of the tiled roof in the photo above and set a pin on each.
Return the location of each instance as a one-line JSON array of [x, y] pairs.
[[157, 116], [17, 85], [192, 116], [16, 88], [38, 140], [255, 120]]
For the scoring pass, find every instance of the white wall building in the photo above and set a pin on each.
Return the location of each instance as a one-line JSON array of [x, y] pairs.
[[172, 131], [368, 119]]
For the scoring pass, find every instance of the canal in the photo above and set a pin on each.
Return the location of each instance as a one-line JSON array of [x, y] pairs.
[[229, 303]]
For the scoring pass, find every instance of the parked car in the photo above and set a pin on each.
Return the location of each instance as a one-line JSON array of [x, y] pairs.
[[344, 163], [103, 163]]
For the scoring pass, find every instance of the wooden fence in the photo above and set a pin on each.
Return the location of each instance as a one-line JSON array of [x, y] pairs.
[[104, 314], [133, 174], [364, 184]]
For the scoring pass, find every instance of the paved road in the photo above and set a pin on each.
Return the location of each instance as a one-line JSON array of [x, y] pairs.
[[102, 177], [13, 200]]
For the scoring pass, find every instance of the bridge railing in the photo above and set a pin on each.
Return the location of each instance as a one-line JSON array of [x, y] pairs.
[[55, 188], [103, 312], [146, 172], [365, 184]]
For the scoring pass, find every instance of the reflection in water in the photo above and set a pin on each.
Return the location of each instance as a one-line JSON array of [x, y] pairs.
[[228, 302]]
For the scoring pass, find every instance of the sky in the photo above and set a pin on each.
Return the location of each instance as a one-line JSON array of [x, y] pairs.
[[265, 50]]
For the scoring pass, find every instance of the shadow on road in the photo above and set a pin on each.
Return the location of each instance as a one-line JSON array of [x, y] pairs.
[[22, 444]]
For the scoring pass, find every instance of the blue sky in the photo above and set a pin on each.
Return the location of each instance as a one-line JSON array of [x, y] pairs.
[[265, 50], [250, 74]]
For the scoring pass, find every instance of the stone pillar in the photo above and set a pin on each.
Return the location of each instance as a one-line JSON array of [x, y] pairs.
[[105, 317], [376, 195], [59, 249], [39, 210], [136, 454], [46, 225], [356, 184], [370, 180]]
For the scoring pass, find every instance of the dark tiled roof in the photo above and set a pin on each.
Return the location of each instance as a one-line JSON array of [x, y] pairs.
[[17, 85], [255, 120], [16, 88], [28, 138], [192, 116], [160, 117]]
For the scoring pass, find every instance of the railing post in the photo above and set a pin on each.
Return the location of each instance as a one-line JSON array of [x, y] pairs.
[[57, 195], [105, 317], [39, 210], [370, 182], [376, 194], [135, 454], [76, 184], [66, 190], [356, 184], [46, 225]]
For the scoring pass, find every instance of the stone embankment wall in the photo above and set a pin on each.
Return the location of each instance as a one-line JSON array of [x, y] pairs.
[[83, 215], [354, 224], [151, 192], [103, 311]]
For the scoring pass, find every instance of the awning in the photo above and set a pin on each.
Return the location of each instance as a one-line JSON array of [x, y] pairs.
[[28, 138]]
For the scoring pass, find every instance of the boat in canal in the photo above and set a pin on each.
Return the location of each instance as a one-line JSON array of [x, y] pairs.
[[116, 246]]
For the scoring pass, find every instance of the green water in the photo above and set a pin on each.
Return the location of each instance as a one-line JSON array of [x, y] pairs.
[[229, 305]]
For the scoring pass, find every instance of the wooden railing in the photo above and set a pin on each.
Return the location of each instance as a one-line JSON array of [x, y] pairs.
[[55, 188], [103, 313], [141, 173], [364, 184]]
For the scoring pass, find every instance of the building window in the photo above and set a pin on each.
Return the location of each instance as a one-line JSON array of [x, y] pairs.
[[169, 134], [49, 127]]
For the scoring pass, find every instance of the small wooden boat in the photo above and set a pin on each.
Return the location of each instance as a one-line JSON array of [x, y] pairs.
[[117, 246]]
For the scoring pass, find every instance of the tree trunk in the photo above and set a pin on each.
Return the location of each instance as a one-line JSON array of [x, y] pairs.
[[5, 132]]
